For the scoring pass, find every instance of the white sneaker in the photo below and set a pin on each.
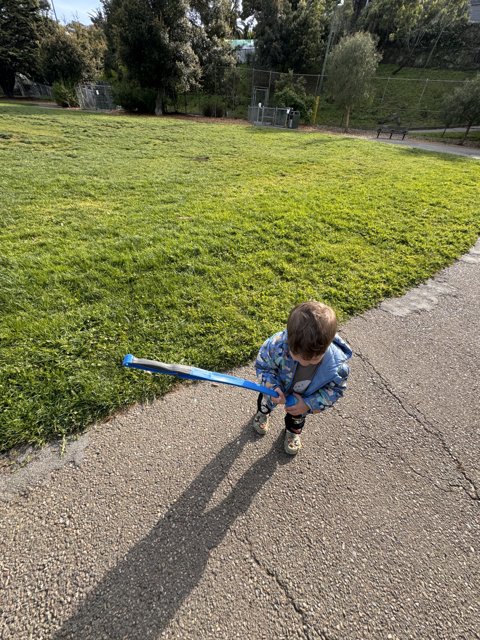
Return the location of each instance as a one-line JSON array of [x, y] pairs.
[[261, 422], [292, 443]]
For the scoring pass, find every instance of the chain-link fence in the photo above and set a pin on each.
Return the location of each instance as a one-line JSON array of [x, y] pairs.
[[410, 102], [95, 97], [26, 88], [407, 102], [273, 117]]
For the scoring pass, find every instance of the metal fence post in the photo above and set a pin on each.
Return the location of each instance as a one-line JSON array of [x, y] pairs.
[[253, 85]]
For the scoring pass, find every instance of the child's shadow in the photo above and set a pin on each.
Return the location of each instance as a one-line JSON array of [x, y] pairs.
[[139, 597]]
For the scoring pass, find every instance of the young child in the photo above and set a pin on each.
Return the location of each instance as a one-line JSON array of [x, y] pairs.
[[307, 359]]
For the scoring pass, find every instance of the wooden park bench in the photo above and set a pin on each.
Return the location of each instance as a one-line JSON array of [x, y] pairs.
[[392, 131]]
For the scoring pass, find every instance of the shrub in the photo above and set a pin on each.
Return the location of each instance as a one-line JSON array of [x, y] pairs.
[[290, 92], [132, 97], [213, 107], [64, 94], [462, 107], [288, 97]]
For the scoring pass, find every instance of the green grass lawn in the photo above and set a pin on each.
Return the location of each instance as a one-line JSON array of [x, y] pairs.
[[189, 242]]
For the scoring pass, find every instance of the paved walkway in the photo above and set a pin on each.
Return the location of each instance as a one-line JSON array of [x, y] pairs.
[[174, 520], [442, 129], [437, 147]]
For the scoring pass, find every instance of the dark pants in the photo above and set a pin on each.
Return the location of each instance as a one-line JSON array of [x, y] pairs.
[[294, 424]]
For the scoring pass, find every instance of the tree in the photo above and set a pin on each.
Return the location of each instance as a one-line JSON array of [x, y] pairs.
[[290, 34], [61, 58], [68, 55], [211, 31], [305, 35], [269, 43], [463, 106], [414, 26], [92, 43], [350, 69], [152, 40], [21, 23], [291, 92]]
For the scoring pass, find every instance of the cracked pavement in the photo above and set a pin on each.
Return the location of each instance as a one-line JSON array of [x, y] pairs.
[[175, 520]]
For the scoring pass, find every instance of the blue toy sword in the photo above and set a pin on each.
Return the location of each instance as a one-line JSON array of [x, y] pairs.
[[193, 373]]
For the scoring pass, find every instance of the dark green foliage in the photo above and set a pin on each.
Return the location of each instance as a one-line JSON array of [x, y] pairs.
[[290, 34], [210, 42], [351, 67], [213, 107], [64, 94], [306, 26], [132, 97], [92, 43], [414, 28], [61, 58], [290, 92], [269, 45], [152, 40], [463, 106], [21, 23]]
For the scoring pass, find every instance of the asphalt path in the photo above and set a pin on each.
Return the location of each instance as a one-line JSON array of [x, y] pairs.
[[435, 147], [175, 520]]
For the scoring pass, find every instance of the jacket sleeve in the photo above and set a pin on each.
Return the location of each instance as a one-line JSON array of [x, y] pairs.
[[330, 393], [265, 366]]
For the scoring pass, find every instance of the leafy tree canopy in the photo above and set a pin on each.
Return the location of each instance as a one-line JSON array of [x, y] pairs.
[[152, 40], [290, 34], [92, 43], [212, 27], [350, 68], [414, 24], [21, 25], [72, 53], [462, 107]]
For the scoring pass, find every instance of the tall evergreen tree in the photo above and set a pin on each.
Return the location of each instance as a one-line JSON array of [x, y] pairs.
[[21, 23], [152, 39], [290, 34], [269, 32], [305, 35], [212, 21]]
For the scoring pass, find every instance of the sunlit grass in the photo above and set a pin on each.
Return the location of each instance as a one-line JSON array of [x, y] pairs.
[[190, 242]]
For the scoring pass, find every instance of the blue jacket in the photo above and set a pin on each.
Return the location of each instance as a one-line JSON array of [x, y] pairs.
[[276, 367]]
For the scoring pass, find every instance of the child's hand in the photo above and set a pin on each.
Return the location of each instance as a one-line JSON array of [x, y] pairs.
[[299, 408], [281, 396]]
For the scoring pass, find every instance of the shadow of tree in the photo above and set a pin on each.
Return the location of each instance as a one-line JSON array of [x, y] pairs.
[[138, 598]]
